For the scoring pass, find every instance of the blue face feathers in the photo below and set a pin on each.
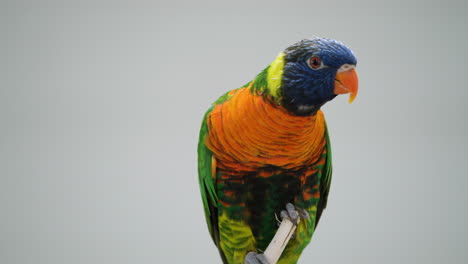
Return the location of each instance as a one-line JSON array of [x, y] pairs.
[[309, 73]]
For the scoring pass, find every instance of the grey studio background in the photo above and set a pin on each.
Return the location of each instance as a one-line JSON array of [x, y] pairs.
[[101, 102]]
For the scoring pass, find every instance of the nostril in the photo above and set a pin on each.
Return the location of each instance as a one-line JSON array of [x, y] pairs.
[[346, 67]]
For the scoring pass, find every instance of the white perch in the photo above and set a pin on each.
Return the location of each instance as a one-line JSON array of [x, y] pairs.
[[280, 240]]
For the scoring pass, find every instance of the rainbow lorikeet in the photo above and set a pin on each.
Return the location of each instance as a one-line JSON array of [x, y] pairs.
[[265, 145]]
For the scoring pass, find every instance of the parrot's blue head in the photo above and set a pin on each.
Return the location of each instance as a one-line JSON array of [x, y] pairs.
[[311, 72]]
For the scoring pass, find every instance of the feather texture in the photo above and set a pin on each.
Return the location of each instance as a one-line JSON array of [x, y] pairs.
[[265, 145], [264, 158]]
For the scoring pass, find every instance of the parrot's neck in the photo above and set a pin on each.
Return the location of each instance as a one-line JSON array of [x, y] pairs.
[[248, 132]]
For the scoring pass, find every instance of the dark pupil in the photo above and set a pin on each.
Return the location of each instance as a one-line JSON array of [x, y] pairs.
[[315, 62]]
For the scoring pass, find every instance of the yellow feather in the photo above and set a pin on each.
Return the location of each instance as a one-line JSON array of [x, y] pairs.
[[275, 75]]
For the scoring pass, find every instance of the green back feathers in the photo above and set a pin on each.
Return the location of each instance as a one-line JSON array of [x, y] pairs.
[[325, 180], [205, 179], [207, 186]]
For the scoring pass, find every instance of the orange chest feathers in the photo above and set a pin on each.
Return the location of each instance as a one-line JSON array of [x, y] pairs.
[[247, 132]]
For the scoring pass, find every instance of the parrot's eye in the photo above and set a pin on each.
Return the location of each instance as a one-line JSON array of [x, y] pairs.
[[315, 63]]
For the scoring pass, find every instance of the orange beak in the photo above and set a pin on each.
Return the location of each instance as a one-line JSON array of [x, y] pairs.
[[346, 82]]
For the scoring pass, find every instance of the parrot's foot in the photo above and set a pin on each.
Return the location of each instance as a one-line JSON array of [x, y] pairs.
[[255, 258], [293, 213]]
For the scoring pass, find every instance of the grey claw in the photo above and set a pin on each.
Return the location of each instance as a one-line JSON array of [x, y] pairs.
[[293, 213], [255, 258], [290, 213], [284, 214], [278, 222], [303, 213]]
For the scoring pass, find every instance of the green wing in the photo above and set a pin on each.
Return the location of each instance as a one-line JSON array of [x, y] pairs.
[[325, 180], [206, 181], [205, 174]]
